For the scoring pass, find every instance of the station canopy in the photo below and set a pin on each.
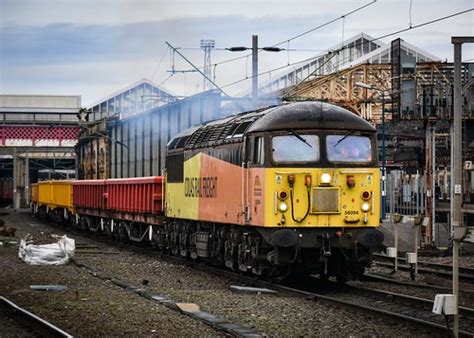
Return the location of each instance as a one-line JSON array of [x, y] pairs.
[[357, 50], [137, 98]]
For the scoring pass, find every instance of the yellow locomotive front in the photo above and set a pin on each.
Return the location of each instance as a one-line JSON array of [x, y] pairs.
[[343, 191]]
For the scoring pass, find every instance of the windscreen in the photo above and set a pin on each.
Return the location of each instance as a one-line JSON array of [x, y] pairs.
[[348, 148], [295, 148]]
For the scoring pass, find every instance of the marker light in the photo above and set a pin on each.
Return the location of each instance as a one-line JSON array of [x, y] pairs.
[[291, 180], [326, 178], [365, 207], [350, 180], [365, 195], [282, 195], [283, 207]]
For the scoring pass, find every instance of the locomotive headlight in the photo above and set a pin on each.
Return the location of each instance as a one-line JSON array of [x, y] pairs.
[[326, 178], [365, 207], [283, 207]]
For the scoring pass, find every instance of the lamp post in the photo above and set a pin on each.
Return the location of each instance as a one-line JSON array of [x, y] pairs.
[[384, 184]]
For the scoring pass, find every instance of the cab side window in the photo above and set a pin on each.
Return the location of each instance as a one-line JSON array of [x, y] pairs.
[[259, 151], [256, 151]]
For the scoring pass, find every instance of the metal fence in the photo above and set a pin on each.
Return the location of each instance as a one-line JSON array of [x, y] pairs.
[[405, 193]]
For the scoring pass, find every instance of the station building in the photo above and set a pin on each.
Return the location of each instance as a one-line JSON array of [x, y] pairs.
[[37, 132]]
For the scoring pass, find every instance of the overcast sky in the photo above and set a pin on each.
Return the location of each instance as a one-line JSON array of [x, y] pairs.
[[95, 47]]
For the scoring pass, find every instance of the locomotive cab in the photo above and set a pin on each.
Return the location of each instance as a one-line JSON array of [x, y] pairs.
[[314, 186]]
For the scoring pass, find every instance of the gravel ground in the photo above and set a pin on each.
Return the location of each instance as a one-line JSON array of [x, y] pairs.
[[106, 308], [89, 307]]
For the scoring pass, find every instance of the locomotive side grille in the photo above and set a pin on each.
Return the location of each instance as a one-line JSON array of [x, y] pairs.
[[325, 200]]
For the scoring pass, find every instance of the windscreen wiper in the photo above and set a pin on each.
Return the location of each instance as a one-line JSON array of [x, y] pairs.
[[344, 137], [298, 136]]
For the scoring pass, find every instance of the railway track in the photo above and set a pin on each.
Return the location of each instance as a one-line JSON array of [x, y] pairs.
[[467, 293], [30, 324], [466, 274], [416, 308], [404, 309], [396, 307]]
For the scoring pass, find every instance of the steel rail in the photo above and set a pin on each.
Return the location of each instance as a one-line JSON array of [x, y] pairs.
[[447, 267], [31, 320], [377, 278], [407, 299], [444, 274]]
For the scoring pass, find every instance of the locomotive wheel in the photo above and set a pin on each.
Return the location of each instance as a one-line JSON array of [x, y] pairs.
[[324, 277], [341, 278]]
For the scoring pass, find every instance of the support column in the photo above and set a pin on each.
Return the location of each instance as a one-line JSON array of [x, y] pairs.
[[433, 187], [456, 171], [16, 181], [429, 192], [27, 181], [254, 70]]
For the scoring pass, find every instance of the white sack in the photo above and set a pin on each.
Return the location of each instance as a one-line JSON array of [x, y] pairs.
[[58, 253]]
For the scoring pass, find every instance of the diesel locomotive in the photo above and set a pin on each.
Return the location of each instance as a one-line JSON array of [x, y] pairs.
[[286, 189]]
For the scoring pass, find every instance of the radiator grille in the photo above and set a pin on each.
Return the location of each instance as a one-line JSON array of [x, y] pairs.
[[325, 200]]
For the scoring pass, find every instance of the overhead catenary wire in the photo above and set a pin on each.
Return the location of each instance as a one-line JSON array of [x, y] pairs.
[[424, 24], [334, 52], [397, 32], [159, 63], [165, 80], [278, 68], [327, 23], [298, 35], [192, 65], [282, 42], [263, 48]]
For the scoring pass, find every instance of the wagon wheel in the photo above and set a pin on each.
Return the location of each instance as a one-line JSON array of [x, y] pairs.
[[122, 233]]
